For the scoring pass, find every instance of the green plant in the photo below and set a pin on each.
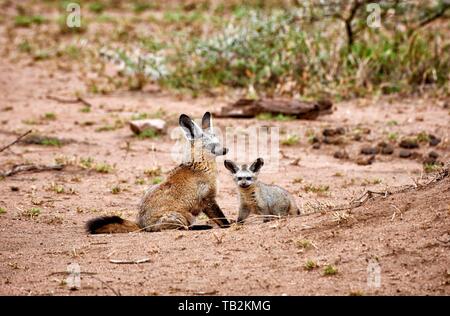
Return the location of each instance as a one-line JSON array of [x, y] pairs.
[[2, 210], [157, 180], [318, 189], [148, 133], [32, 212], [96, 7], [116, 189], [86, 163], [431, 167], [103, 168], [49, 116], [393, 136], [290, 140], [330, 270], [28, 20], [49, 141], [310, 265]]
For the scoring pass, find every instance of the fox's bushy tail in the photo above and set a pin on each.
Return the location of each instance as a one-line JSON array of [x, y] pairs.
[[110, 225]]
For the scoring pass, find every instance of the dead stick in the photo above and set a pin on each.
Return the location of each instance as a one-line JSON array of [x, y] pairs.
[[18, 139], [77, 100], [129, 261], [24, 168]]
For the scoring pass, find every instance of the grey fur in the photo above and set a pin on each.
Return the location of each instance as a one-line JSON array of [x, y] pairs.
[[259, 198]]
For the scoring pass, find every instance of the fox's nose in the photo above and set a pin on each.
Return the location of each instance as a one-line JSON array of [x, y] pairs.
[[220, 151]]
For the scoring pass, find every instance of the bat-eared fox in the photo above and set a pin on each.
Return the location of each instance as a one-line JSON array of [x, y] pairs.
[[188, 190]]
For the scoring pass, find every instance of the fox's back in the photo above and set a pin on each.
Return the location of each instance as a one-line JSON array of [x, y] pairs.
[[277, 199]]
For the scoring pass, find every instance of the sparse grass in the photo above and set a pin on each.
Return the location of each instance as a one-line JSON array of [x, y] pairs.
[[28, 20], [85, 109], [272, 117], [116, 189], [157, 180], [49, 116], [375, 181], [310, 265], [392, 123], [392, 136], [50, 142], [96, 7], [148, 133], [330, 270], [153, 172], [303, 244], [103, 168], [140, 181], [32, 212], [432, 167], [291, 140], [423, 137], [318, 189], [2, 210], [338, 174], [297, 180], [86, 163]]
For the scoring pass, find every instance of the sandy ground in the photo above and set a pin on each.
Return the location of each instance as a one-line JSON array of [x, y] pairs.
[[407, 234]]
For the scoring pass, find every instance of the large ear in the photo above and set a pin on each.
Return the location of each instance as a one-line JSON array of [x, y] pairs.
[[190, 128], [207, 121], [257, 165], [231, 166]]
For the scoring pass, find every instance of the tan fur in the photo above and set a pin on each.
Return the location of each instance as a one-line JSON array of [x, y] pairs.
[[188, 190], [125, 227]]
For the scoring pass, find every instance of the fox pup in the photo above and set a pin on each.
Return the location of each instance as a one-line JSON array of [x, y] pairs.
[[188, 190], [257, 197]]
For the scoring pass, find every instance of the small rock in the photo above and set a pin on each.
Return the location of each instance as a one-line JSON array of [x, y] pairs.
[[363, 161], [429, 161], [404, 153], [14, 188], [340, 131], [315, 139], [333, 140], [316, 146], [385, 148], [138, 126], [409, 143], [369, 151], [434, 141], [341, 154], [357, 137], [433, 154], [333, 131]]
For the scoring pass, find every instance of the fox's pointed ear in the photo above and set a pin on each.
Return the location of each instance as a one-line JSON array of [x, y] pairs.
[[207, 121], [191, 130], [231, 166], [256, 166]]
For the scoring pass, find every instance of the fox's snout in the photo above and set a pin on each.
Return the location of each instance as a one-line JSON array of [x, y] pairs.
[[244, 184], [219, 151]]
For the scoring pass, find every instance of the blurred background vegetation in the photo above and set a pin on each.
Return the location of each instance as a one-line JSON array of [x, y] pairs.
[[304, 49]]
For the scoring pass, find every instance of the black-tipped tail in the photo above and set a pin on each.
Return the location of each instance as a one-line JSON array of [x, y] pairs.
[[110, 225], [200, 227]]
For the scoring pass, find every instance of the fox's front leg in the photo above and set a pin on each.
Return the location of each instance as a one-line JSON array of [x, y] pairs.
[[244, 212], [213, 211]]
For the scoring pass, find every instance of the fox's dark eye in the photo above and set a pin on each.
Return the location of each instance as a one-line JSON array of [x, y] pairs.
[[239, 178], [248, 178]]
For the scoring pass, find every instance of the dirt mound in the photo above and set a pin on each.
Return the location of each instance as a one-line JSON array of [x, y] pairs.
[[405, 235]]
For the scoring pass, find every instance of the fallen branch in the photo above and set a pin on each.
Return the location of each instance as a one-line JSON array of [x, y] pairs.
[[76, 100], [144, 260], [30, 167], [248, 108], [15, 141]]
